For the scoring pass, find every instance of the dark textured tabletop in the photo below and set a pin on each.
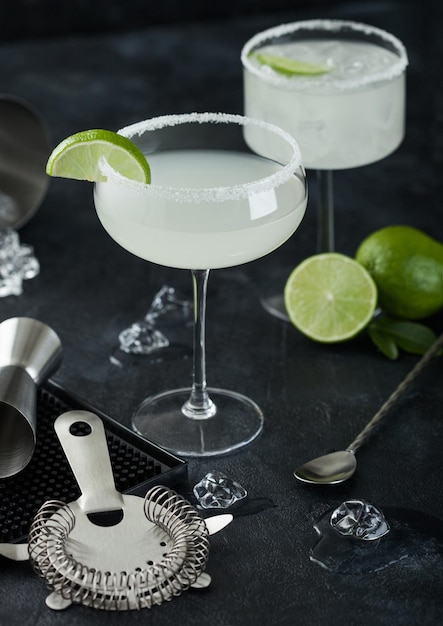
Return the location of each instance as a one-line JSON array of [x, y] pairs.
[[315, 397]]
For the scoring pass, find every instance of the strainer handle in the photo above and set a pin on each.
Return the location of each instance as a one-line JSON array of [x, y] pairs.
[[88, 457]]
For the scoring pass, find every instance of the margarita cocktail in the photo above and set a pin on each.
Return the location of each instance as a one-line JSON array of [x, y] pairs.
[[198, 232], [225, 190], [344, 101]]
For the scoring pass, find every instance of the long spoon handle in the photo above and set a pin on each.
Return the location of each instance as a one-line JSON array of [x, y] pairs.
[[402, 387]]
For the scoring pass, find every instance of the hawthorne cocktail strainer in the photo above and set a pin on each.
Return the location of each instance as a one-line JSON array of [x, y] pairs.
[[112, 551]]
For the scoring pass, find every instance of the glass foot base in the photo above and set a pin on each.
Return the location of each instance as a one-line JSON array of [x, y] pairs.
[[237, 422]]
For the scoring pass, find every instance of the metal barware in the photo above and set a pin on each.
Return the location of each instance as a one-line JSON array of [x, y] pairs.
[[112, 551], [30, 352], [32, 345], [24, 149], [336, 467], [18, 403]]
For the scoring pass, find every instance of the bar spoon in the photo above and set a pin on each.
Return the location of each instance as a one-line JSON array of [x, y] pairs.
[[337, 467]]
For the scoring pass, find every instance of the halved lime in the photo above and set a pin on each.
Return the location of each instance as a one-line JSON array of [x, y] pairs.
[[290, 67], [79, 155], [330, 297]]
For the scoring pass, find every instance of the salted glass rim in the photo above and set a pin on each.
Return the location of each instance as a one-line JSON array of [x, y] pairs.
[[333, 26], [205, 194]]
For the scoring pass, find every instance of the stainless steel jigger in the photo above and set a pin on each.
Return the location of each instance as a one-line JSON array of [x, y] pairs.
[[30, 352]]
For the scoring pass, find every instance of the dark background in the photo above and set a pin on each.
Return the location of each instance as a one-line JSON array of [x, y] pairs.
[[106, 64], [47, 18]]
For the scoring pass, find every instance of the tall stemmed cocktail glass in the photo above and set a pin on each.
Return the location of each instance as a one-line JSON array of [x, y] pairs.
[[350, 115], [225, 190]]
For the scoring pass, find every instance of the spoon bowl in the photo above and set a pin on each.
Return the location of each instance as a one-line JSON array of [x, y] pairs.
[[329, 469]]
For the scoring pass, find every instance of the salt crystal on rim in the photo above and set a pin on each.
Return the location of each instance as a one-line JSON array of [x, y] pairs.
[[212, 194]]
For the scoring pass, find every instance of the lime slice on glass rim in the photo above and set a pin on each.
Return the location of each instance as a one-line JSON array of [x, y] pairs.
[[330, 297], [291, 67], [79, 156]]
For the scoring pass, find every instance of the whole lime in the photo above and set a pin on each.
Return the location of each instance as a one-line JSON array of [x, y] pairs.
[[407, 267]]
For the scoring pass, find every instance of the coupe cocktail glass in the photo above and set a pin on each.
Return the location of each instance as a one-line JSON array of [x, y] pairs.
[[225, 190], [349, 116]]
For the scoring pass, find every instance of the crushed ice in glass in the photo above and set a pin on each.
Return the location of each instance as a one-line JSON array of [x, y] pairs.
[[359, 519], [217, 491], [17, 263]]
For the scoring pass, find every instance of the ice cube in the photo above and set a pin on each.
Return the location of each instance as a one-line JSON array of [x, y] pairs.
[[217, 491], [359, 519]]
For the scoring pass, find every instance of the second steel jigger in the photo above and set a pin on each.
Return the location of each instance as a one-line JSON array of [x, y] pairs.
[[30, 352]]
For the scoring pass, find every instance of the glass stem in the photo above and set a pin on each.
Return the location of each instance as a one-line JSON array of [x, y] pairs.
[[325, 242], [199, 405]]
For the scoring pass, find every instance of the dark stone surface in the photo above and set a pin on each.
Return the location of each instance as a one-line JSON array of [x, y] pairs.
[[315, 398], [42, 18]]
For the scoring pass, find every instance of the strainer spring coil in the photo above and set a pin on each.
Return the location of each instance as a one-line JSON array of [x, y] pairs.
[[142, 588]]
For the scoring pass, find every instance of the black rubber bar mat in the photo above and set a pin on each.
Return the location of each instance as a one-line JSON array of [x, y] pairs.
[[137, 465]]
